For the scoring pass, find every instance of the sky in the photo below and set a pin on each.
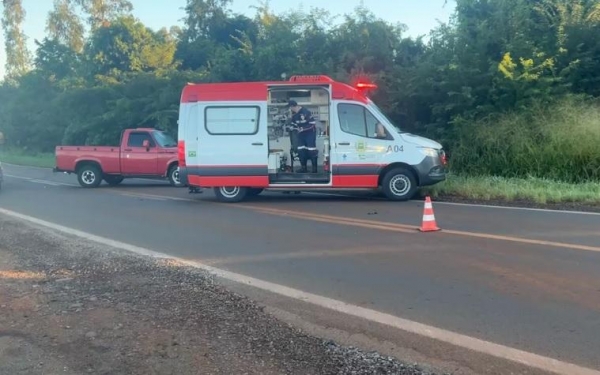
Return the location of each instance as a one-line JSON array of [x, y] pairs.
[[420, 16]]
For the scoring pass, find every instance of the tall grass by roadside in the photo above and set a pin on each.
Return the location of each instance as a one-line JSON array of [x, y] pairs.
[[560, 142], [32, 159], [538, 190]]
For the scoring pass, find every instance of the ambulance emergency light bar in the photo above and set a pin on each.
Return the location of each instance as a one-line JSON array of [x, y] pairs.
[[313, 78], [365, 86], [360, 85]]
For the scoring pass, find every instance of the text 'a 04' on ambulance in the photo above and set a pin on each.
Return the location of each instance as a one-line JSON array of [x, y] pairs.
[[238, 138]]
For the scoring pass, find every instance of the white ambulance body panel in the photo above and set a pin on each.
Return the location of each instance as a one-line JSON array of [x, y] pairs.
[[237, 147], [225, 134], [353, 134]]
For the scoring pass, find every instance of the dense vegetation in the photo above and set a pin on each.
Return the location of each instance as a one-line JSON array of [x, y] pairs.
[[507, 86]]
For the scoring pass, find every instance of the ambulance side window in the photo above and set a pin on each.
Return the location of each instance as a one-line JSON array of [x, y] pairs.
[[358, 120], [231, 120]]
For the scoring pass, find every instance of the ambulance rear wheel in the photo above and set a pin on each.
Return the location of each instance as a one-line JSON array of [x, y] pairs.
[[399, 184], [231, 194]]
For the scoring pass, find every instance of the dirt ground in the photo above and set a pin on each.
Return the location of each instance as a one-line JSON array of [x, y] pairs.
[[72, 307]]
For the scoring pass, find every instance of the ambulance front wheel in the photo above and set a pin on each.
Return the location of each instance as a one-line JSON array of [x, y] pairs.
[[231, 194], [399, 184]]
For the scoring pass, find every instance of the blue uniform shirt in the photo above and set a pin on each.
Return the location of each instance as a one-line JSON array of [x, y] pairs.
[[304, 120]]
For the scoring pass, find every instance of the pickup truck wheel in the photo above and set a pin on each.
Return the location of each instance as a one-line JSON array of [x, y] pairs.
[[231, 194], [399, 184], [173, 176], [113, 180], [89, 176]]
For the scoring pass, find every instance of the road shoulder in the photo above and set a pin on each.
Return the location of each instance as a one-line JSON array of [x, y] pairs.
[[74, 307]]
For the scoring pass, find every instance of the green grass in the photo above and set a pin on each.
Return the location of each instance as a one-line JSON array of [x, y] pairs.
[[19, 157], [556, 141], [537, 190], [545, 154]]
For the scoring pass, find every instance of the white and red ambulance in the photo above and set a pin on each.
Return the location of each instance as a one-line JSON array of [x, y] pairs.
[[237, 139]]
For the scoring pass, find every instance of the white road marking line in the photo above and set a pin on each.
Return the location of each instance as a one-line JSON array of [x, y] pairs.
[[44, 182], [489, 206], [17, 177], [467, 342], [543, 210], [26, 166], [38, 181]]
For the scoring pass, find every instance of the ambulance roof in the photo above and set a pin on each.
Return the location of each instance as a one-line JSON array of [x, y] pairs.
[[257, 91]]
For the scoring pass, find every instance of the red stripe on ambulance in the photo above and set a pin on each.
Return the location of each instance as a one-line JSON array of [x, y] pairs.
[[355, 181], [217, 181]]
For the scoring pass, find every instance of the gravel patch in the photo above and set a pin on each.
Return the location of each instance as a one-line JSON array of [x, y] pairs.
[[73, 307]]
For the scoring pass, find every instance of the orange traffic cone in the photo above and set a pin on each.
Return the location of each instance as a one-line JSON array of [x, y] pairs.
[[429, 224]]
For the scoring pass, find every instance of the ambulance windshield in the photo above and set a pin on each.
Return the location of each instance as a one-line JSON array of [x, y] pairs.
[[380, 113]]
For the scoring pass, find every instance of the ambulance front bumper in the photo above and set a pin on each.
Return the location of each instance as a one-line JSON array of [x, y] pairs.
[[431, 171]]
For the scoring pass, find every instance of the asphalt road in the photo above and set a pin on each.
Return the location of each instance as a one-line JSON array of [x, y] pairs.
[[527, 279]]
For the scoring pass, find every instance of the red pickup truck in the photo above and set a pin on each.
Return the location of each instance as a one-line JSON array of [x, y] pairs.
[[143, 153]]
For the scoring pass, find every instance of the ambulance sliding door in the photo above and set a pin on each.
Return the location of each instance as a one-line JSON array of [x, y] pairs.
[[235, 143]]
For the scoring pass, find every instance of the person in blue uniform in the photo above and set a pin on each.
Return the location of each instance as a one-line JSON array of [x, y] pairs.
[[307, 135]]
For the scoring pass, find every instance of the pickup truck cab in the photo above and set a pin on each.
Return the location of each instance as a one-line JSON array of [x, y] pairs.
[[143, 153]]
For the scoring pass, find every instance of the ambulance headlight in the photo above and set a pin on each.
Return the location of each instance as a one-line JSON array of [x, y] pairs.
[[428, 151]]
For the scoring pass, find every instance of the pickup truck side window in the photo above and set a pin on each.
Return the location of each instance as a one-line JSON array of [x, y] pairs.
[[358, 120], [136, 139], [231, 120]]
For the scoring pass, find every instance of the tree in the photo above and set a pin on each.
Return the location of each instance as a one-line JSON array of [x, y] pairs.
[[203, 32], [365, 43], [56, 60], [128, 46], [203, 16], [276, 49], [18, 57], [102, 12], [64, 25]]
